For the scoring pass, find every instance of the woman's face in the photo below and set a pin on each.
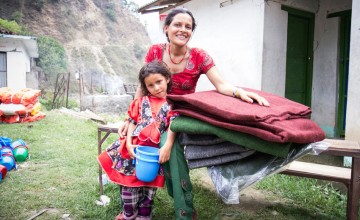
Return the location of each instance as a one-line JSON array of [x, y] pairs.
[[180, 29]]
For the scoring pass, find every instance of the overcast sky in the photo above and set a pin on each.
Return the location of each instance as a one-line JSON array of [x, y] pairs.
[[151, 20]]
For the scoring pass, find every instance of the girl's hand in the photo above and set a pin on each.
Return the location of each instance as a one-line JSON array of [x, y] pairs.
[[251, 96], [131, 150], [123, 129], [164, 154]]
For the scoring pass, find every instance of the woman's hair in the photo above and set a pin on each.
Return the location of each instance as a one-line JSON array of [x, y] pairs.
[[170, 17], [152, 68]]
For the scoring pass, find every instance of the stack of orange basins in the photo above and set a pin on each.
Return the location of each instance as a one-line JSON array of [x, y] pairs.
[[19, 105]]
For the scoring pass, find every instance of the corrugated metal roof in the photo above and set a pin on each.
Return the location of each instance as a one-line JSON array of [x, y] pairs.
[[160, 6]]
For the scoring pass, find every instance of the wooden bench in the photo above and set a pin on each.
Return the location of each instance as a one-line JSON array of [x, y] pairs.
[[348, 176], [130, 88], [101, 139]]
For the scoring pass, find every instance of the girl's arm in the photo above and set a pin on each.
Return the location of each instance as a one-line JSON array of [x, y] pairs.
[[129, 146], [225, 88], [165, 150]]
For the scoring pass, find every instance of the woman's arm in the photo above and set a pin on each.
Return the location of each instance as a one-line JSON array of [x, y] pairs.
[[165, 150], [129, 146], [226, 88]]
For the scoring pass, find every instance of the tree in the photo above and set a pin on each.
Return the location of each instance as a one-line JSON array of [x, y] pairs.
[[52, 57]]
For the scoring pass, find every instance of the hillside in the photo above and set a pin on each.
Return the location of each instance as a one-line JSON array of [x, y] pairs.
[[103, 40]]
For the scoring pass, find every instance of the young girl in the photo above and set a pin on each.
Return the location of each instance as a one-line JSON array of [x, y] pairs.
[[149, 118]]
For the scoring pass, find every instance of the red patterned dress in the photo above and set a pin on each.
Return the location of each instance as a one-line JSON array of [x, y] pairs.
[[151, 116], [184, 82]]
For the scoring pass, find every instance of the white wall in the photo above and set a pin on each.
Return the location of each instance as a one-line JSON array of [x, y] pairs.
[[325, 71], [353, 110], [16, 70], [232, 35], [275, 41]]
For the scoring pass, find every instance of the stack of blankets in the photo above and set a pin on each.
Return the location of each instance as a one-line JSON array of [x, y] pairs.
[[19, 106], [222, 133]]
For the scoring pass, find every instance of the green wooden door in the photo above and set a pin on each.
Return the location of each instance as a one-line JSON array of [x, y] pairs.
[[299, 56], [343, 64]]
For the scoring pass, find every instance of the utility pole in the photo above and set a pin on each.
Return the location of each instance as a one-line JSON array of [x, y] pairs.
[[79, 77]]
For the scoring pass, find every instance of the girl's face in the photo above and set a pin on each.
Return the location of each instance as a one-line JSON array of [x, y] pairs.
[[156, 84], [180, 29]]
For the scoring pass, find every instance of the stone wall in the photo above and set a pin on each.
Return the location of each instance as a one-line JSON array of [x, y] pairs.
[[112, 104]]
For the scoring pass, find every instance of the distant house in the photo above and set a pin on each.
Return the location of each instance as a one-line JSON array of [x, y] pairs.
[[16, 55], [305, 50]]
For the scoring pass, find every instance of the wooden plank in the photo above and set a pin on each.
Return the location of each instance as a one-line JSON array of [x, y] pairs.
[[319, 171], [340, 147]]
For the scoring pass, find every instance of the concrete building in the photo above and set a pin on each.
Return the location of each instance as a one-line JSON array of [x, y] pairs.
[[305, 50], [16, 55]]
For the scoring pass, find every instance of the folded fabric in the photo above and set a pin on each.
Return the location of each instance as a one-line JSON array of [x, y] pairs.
[[197, 139], [200, 151], [230, 109], [284, 121], [195, 126], [218, 160], [299, 130]]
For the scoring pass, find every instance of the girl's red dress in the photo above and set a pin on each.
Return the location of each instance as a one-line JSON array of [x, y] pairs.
[[151, 116]]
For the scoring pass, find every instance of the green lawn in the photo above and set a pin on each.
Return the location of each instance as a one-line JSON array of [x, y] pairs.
[[61, 176]]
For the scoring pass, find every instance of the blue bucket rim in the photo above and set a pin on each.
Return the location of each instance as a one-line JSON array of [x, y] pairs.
[[147, 153], [146, 160], [5, 141]]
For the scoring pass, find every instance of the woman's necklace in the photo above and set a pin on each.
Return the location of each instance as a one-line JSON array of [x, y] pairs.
[[181, 58]]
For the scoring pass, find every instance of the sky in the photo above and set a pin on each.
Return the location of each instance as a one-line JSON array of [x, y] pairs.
[[151, 22]]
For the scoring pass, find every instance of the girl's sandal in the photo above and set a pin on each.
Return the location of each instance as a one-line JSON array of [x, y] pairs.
[[120, 216]]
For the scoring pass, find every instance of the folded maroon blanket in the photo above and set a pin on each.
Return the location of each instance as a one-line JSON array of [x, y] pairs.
[[283, 121], [235, 111]]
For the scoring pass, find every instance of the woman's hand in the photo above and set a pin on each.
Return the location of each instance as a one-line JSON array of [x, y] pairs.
[[250, 97], [164, 153], [123, 129]]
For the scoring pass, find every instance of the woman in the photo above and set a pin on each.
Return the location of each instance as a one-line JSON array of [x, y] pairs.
[[186, 65]]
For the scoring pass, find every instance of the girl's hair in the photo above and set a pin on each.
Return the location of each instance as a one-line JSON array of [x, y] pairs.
[[152, 68], [170, 17]]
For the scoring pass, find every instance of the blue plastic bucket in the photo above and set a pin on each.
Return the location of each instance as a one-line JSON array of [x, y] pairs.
[[8, 161], [5, 141], [147, 163], [6, 150], [17, 143]]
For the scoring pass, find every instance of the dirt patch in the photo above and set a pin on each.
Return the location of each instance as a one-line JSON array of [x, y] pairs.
[[251, 199]]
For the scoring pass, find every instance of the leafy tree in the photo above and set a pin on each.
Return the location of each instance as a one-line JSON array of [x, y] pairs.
[[52, 57]]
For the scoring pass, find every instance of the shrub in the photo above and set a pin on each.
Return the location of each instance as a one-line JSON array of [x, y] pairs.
[[11, 26]]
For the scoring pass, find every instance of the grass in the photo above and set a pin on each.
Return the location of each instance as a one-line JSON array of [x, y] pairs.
[[61, 176]]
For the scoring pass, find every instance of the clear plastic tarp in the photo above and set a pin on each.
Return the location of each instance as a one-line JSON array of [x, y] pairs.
[[229, 179]]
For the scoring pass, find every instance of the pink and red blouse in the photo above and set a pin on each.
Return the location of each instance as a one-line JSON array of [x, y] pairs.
[[184, 82]]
